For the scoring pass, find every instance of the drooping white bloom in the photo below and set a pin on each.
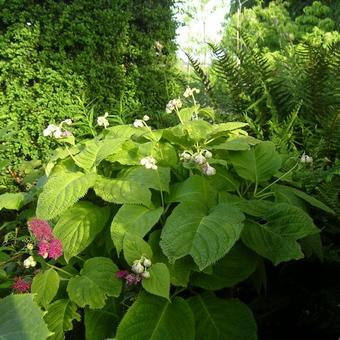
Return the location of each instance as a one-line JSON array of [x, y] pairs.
[[186, 155], [207, 154], [173, 104], [208, 169], [305, 159], [51, 128], [102, 121], [146, 275], [149, 163], [190, 92], [146, 118], [137, 267], [138, 123], [29, 262], [58, 133], [199, 159], [147, 263]]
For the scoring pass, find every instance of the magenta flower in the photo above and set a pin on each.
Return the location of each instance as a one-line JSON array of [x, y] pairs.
[[122, 274], [56, 249], [41, 229], [44, 248], [21, 286]]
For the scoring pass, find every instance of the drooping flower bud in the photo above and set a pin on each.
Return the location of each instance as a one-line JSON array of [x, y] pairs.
[[147, 263], [199, 159], [146, 275], [137, 268]]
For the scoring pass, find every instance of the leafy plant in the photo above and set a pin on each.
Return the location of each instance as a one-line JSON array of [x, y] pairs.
[[154, 222]]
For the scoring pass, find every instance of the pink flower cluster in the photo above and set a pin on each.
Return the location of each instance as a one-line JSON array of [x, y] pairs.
[[48, 245], [130, 279], [21, 285]]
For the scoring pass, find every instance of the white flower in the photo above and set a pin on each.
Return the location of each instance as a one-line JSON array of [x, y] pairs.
[[190, 92], [138, 123], [207, 154], [146, 118], [305, 159], [137, 267], [200, 159], [58, 133], [208, 170], [173, 104], [186, 155], [102, 121], [146, 275], [29, 246], [149, 163], [29, 262], [51, 128], [28, 23], [147, 263]]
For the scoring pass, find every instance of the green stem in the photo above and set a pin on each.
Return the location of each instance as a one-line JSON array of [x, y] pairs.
[[61, 270]]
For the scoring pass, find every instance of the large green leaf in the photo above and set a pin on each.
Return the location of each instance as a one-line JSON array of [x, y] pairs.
[[121, 191], [287, 191], [45, 285], [154, 318], [205, 235], [134, 220], [195, 188], [233, 268], [78, 227], [21, 318], [59, 317], [236, 143], [97, 281], [258, 164], [219, 319], [12, 201], [158, 180], [100, 323], [61, 191], [95, 151], [276, 239], [159, 281]]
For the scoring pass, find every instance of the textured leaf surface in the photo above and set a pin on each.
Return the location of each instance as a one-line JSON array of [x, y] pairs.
[[205, 235], [158, 180], [159, 281], [45, 285], [95, 151], [276, 239], [21, 318], [96, 281], [100, 323], [258, 164], [134, 220], [61, 191], [233, 268], [59, 317], [78, 226], [154, 318], [195, 188], [12, 201], [220, 319], [122, 191]]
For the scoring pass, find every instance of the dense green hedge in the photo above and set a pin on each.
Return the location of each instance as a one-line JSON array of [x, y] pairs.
[[54, 52]]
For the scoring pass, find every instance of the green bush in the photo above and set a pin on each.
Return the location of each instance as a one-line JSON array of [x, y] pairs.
[[115, 55]]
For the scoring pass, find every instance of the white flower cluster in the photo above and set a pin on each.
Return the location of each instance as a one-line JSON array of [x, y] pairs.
[[102, 121], [173, 104], [190, 92], [200, 159], [57, 131], [29, 262], [141, 122], [305, 159], [149, 163], [141, 267]]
